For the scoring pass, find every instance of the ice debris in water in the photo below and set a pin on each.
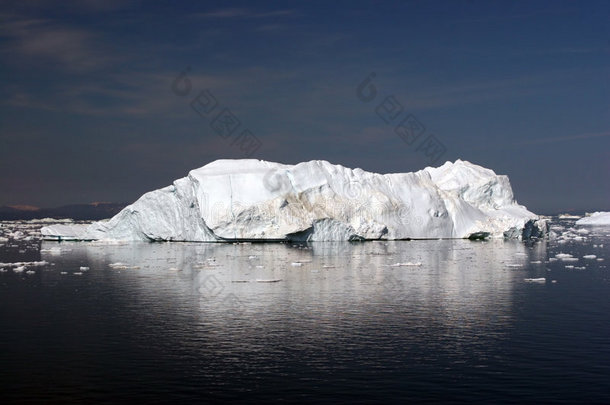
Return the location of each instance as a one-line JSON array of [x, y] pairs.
[[406, 264], [535, 280]]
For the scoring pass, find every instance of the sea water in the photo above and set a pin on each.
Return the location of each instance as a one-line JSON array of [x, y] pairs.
[[361, 322]]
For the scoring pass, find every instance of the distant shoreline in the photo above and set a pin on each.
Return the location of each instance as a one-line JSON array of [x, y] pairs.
[[79, 212]]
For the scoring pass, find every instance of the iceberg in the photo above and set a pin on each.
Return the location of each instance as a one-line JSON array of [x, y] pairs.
[[597, 218], [255, 200]]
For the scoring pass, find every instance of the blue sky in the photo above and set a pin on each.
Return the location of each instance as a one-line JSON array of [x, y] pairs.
[[88, 112]]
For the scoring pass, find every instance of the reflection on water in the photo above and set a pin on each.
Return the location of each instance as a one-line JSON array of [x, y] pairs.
[[460, 279], [322, 322]]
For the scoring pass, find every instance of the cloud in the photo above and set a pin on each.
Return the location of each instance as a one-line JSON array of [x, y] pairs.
[[243, 13], [70, 48], [271, 27], [138, 93], [557, 139], [423, 96], [508, 15], [72, 6], [112, 95]]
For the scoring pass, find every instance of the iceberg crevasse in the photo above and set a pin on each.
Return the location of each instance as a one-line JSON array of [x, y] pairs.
[[249, 199]]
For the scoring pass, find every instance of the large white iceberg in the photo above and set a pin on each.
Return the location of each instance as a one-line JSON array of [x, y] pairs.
[[229, 200], [597, 218]]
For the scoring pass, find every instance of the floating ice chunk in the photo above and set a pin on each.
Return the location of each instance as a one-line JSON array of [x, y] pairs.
[[83, 268], [535, 280], [16, 235], [53, 250], [18, 264], [600, 259], [596, 218], [589, 257], [19, 269], [566, 257], [77, 273], [406, 264]]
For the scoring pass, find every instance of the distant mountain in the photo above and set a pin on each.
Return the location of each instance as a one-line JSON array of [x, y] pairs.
[[92, 211]]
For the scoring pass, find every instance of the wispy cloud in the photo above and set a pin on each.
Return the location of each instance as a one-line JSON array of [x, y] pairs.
[[243, 13], [138, 93], [86, 6], [271, 27], [567, 138], [433, 97], [71, 48], [508, 16]]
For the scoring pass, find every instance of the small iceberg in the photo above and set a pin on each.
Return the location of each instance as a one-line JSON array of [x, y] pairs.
[[535, 280], [597, 218]]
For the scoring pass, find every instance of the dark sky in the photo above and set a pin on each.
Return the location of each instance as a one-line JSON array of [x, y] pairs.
[[89, 111]]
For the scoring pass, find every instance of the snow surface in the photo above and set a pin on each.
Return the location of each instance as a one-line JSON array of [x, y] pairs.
[[597, 218], [229, 200]]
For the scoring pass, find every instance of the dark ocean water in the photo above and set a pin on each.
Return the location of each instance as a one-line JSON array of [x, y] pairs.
[[393, 322]]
